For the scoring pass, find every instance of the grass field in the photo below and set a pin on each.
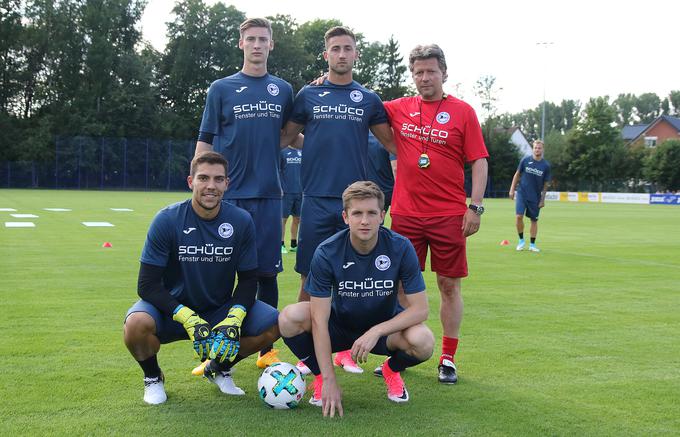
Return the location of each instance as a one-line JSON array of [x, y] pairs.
[[581, 339]]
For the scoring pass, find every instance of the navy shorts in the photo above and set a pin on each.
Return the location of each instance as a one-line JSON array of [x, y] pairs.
[[320, 218], [260, 318], [292, 202], [526, 207], [266, 214], [342, 338]]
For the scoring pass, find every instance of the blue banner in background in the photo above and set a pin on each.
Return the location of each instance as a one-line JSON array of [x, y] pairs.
[[664, 199]]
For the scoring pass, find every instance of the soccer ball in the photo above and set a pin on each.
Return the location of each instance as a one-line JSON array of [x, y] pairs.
[[281, 386]]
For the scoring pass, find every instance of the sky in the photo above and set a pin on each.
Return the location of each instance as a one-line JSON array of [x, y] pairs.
[[595, 47]]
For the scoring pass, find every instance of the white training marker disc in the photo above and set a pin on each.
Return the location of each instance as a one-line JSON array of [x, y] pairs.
[[57, 209], [19, 225], [7, 209], [122, 209], [24, 215], [98, 224]]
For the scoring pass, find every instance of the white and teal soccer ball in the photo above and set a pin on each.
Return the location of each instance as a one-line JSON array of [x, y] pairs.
[[281, 386]]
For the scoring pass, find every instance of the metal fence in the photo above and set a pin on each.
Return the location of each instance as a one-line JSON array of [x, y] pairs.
[[102, 163]]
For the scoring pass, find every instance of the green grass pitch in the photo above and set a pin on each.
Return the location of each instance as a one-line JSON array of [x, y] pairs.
[[581, 339]]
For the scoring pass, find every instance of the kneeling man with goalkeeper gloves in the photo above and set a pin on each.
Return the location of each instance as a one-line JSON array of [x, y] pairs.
[[193, 252]]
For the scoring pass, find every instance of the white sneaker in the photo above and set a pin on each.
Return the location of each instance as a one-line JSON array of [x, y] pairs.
[[533, 248], [154, 391], [226, 383], [520, 245], [302, 367]]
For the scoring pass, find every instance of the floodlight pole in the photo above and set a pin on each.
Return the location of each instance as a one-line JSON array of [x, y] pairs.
[[545, 45]]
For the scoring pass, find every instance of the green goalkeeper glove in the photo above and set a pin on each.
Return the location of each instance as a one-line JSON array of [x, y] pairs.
[[226, 341], [197, 328]]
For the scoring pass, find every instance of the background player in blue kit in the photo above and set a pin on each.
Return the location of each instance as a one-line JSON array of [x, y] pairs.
[[353, 283], [336, 116], [242, 119], [533, 175], [192, 254], [291, 162], [380, 168]]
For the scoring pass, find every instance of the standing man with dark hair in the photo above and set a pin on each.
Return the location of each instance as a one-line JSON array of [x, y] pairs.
[[336, 116], [193, 252], [243, 117], [436, 134], [291, 162], [533, 175], [353, 283]]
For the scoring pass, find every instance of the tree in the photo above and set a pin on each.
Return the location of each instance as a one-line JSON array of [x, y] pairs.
[[202, 47], [503, 157], [392, 74], [487, 91], [288, 60], [625, 107], [647, 107], [674, 97], [595, 151], [661, 166], [11, 32]]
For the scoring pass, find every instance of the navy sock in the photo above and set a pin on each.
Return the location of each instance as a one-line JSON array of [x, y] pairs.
[[533, 240], [400, 360], [268, 292], [224, 366], [521, 235], [293, 243], [150, 367], [302, 345]]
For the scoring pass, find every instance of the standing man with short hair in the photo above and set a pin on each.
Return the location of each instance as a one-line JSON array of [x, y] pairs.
[[533, 175], [291, 162], [193, 252], [336, 116], [353, 283], [243, 117], [436, 134]]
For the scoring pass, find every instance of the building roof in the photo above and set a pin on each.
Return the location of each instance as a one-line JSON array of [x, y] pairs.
[[674, 121], [633, 131]]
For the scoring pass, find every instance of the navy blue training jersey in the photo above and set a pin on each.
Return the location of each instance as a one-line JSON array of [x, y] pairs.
[[533, 175], [363, 288], [379, 168], [337, 119], [291, 164], [201, 257], [246, 115]]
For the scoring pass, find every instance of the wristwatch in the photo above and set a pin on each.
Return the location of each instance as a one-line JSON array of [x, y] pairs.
[[478, 209]]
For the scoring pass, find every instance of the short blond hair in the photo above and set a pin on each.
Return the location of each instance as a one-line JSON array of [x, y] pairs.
[[363, 190], [255, 22], [538, 142]]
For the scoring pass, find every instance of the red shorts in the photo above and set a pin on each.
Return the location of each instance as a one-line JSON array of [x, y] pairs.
[[444, 236]]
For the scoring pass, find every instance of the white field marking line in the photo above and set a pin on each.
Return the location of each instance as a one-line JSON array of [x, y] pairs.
[[98, 224], [24, 215], [19, 225], [121, 209], [57, 209], [619, 260], [7, 209]]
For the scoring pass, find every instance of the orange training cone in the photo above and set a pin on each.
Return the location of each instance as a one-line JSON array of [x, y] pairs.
[[505, 243], [106, 244]]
